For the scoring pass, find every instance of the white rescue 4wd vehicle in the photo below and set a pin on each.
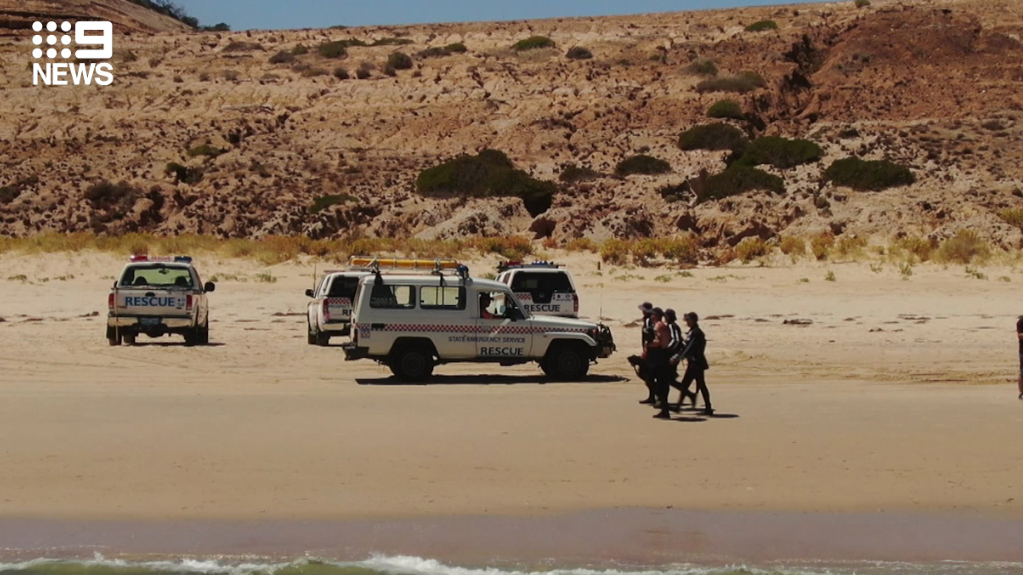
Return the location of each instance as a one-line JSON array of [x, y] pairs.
[[412, 323], [544, 288], [330, 311], [157, 296]]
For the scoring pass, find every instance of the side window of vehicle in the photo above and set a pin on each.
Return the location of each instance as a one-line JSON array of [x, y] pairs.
[[524, 282], [343, 287], [447, 297], [386, 296]]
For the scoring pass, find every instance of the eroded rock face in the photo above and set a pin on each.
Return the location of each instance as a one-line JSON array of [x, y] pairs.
[[288, 148], [126, 16]]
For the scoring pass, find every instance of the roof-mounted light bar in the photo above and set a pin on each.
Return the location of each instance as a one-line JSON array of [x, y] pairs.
[[139, 258]]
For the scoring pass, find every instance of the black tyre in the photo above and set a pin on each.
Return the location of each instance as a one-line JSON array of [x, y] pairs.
[[114, 340], [192, 337], [310, 335], [204, 333], [569, 362], [129, 338], [411, 364], [322, 339]]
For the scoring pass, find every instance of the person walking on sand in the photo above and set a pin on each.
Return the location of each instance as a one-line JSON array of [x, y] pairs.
[[1019, 336], [696, 361], [676, 345], [642, 362], [657, 358]]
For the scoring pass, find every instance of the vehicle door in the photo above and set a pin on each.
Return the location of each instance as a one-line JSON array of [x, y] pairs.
[[339, 297], [503, 331], [447, 318]]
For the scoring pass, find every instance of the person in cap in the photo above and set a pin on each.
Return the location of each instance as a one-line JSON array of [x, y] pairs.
[[676, 345], [641, 363], [658, 358], [696, 361], [1019, 336]]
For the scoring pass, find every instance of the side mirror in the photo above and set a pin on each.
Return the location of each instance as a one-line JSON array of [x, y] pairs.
[[309, 293], [209, 287]]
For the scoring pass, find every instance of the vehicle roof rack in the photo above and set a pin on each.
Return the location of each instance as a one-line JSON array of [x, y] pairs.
[[436, 266], [515, 265]]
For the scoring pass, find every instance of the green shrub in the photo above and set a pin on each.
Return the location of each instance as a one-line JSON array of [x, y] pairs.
[[726, 109], [314, 72], [716, 136], [8, 194], [533, 43], [390, 70], [112, 197], [862, 3], [323, 202], [392, 42], [205, 150], [642, 164], [399, 61], [363, 71], [578, 53], [675, 193], [433, 52], [574, 173], [703, 67], [456, 48], [487, 174], [184, 174], [963, 248], [332, 50], [352, 42], [739, 179], [868, 175], [300, 50], [740, 83], [341, 73], [781, 153], [243, 47], [762, 26], [282, 57], [750, 249]]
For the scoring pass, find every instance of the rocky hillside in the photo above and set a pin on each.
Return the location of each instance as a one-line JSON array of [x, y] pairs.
[[17, 16], [247, 134]]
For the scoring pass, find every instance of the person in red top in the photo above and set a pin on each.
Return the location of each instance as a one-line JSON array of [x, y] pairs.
[[1019, 336], [657, 350]]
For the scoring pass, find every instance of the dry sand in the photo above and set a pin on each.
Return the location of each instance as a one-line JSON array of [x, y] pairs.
[[898, 398]]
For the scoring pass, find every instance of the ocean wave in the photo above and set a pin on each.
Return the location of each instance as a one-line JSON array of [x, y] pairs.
[[408, 565]]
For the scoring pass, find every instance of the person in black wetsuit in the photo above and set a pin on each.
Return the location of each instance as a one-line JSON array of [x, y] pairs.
[[676, 344], [1019, 336], [696, 361], [641, 362]]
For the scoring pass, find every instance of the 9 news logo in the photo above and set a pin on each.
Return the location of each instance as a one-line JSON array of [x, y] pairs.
[[50, 45]]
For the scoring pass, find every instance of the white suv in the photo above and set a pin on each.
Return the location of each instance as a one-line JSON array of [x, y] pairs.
[[412, 323], [330, 311], [543, 287]]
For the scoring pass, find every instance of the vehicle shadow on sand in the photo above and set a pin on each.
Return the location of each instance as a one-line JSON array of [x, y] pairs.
[[173, 344], [491, 380]]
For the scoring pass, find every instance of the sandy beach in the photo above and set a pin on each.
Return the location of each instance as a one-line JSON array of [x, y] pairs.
[[897, 400]]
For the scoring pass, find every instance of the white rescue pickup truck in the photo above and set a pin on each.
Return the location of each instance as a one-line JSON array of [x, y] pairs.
[[412, 323], [157, 296]]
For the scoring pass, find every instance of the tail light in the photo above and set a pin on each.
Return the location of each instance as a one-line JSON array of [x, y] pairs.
[[110, 301], [575, 302], [326, 310], [188, 303]]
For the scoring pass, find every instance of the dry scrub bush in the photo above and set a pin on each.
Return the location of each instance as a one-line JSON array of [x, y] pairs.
[[750, 249], [821, 245], [792, 246], [963, 248]]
